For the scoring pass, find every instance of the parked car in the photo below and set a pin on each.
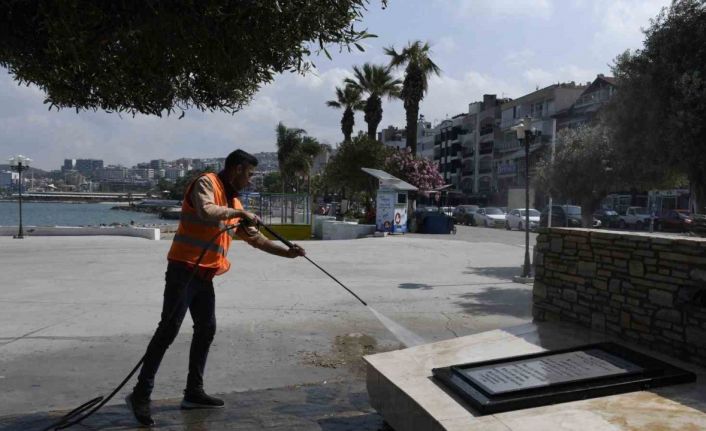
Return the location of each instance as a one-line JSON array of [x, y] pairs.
[[516, 219], [463, 214], [489, 217], [676, 220], [609, 218], [635, 217], [565, 216]]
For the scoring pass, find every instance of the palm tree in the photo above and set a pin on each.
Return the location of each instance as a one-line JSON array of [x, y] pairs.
[[419, 69], [377, 82], [295, 154], [349, 99]]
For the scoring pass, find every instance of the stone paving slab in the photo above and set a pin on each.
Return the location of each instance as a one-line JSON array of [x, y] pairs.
[[340, 406]]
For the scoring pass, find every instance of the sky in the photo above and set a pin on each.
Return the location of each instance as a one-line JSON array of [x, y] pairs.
[[503, 47]]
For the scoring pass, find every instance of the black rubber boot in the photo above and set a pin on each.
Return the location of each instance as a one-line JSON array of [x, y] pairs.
[[140, 407], [198, 399]]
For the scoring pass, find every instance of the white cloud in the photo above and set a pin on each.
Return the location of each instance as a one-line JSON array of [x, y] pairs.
[[538, 77], [520, 58], [502, 8], [620, 23], [446, 45]]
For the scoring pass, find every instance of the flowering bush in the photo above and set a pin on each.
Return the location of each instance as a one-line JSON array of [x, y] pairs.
[[418, 171]]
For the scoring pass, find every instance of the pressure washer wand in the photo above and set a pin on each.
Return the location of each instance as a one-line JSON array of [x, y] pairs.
[[290, 245]]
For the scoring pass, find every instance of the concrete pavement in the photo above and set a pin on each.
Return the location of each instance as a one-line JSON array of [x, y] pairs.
[[77, 313]]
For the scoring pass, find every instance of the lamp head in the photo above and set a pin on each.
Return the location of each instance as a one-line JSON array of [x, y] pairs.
[[520, 128], [19, 160]]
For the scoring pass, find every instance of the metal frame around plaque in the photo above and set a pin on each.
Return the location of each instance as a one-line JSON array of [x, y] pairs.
[[557, 376]]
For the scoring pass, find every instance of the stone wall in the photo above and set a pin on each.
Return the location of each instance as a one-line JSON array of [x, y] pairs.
[[646, 288]]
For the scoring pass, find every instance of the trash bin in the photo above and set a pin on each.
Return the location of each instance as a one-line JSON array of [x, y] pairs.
[[437, 223]]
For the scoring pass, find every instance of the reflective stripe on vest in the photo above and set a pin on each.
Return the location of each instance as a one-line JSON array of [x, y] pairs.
[[195, 233], [200, 244]]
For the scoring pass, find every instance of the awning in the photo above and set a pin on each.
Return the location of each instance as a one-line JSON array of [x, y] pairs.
[[388, 181]]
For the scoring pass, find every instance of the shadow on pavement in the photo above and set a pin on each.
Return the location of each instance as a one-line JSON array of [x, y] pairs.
[[509, 301], [499, 272]]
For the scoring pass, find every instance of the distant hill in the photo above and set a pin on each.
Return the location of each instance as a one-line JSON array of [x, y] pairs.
[[38, 173]]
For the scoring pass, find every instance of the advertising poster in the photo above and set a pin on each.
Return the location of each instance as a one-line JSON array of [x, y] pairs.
[[385, 212], [400, 220]]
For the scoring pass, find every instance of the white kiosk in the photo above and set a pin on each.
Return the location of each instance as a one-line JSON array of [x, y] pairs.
[[391, 211]]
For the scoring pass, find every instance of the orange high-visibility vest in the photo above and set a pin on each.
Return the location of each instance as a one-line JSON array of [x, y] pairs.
[[195, 233]]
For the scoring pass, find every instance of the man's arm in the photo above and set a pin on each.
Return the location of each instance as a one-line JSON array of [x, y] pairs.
[[202, 198], [256, 239]]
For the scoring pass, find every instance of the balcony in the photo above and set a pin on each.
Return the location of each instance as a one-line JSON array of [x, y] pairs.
[[467, 171], [487, 129], [468, 153], [485, 170], [504, 146], [486, 147], [455, 148]]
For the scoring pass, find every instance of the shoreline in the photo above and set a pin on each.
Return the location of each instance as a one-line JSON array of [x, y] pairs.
[[41, 201]]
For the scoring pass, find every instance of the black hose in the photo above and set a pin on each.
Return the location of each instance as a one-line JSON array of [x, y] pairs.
[[290, 245], [96, 403]]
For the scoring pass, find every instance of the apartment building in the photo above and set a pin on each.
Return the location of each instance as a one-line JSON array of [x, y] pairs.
[[586, 107], [393, 137], [508, 163], [112, 173], [464, 145]]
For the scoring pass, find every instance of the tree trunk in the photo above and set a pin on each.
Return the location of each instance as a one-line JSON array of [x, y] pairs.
[[412, 113], [697, 186], [373, 115], [347, 123], [587, 210]]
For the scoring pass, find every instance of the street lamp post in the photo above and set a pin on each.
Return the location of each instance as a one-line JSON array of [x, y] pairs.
[[526, 135], [20, 163]]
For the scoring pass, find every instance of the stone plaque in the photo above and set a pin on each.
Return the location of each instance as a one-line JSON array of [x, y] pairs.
[[550, 377], [549, 370]]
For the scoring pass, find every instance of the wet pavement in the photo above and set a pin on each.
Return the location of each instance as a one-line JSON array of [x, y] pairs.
[[341, 406]]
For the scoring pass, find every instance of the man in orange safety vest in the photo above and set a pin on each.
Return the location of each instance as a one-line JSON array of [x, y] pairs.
[[210, 205]]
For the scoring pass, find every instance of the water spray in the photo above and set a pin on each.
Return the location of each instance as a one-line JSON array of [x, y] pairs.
[[407, 337]]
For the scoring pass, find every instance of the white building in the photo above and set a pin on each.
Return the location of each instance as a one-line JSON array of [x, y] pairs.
[[174, 173], [8, 178]]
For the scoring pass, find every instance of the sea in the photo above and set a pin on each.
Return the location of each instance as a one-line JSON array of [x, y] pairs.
[[74, 214]]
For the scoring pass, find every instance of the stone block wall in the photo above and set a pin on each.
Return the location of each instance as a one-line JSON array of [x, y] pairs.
[[646, 288]]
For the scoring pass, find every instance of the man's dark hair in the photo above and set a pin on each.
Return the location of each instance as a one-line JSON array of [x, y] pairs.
[[238, 157]]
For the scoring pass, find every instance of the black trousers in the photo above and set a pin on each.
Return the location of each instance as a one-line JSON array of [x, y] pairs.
[[199, 298]]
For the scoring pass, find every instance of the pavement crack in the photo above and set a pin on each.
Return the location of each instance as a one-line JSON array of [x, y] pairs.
[[448, 322], [40, 329]]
